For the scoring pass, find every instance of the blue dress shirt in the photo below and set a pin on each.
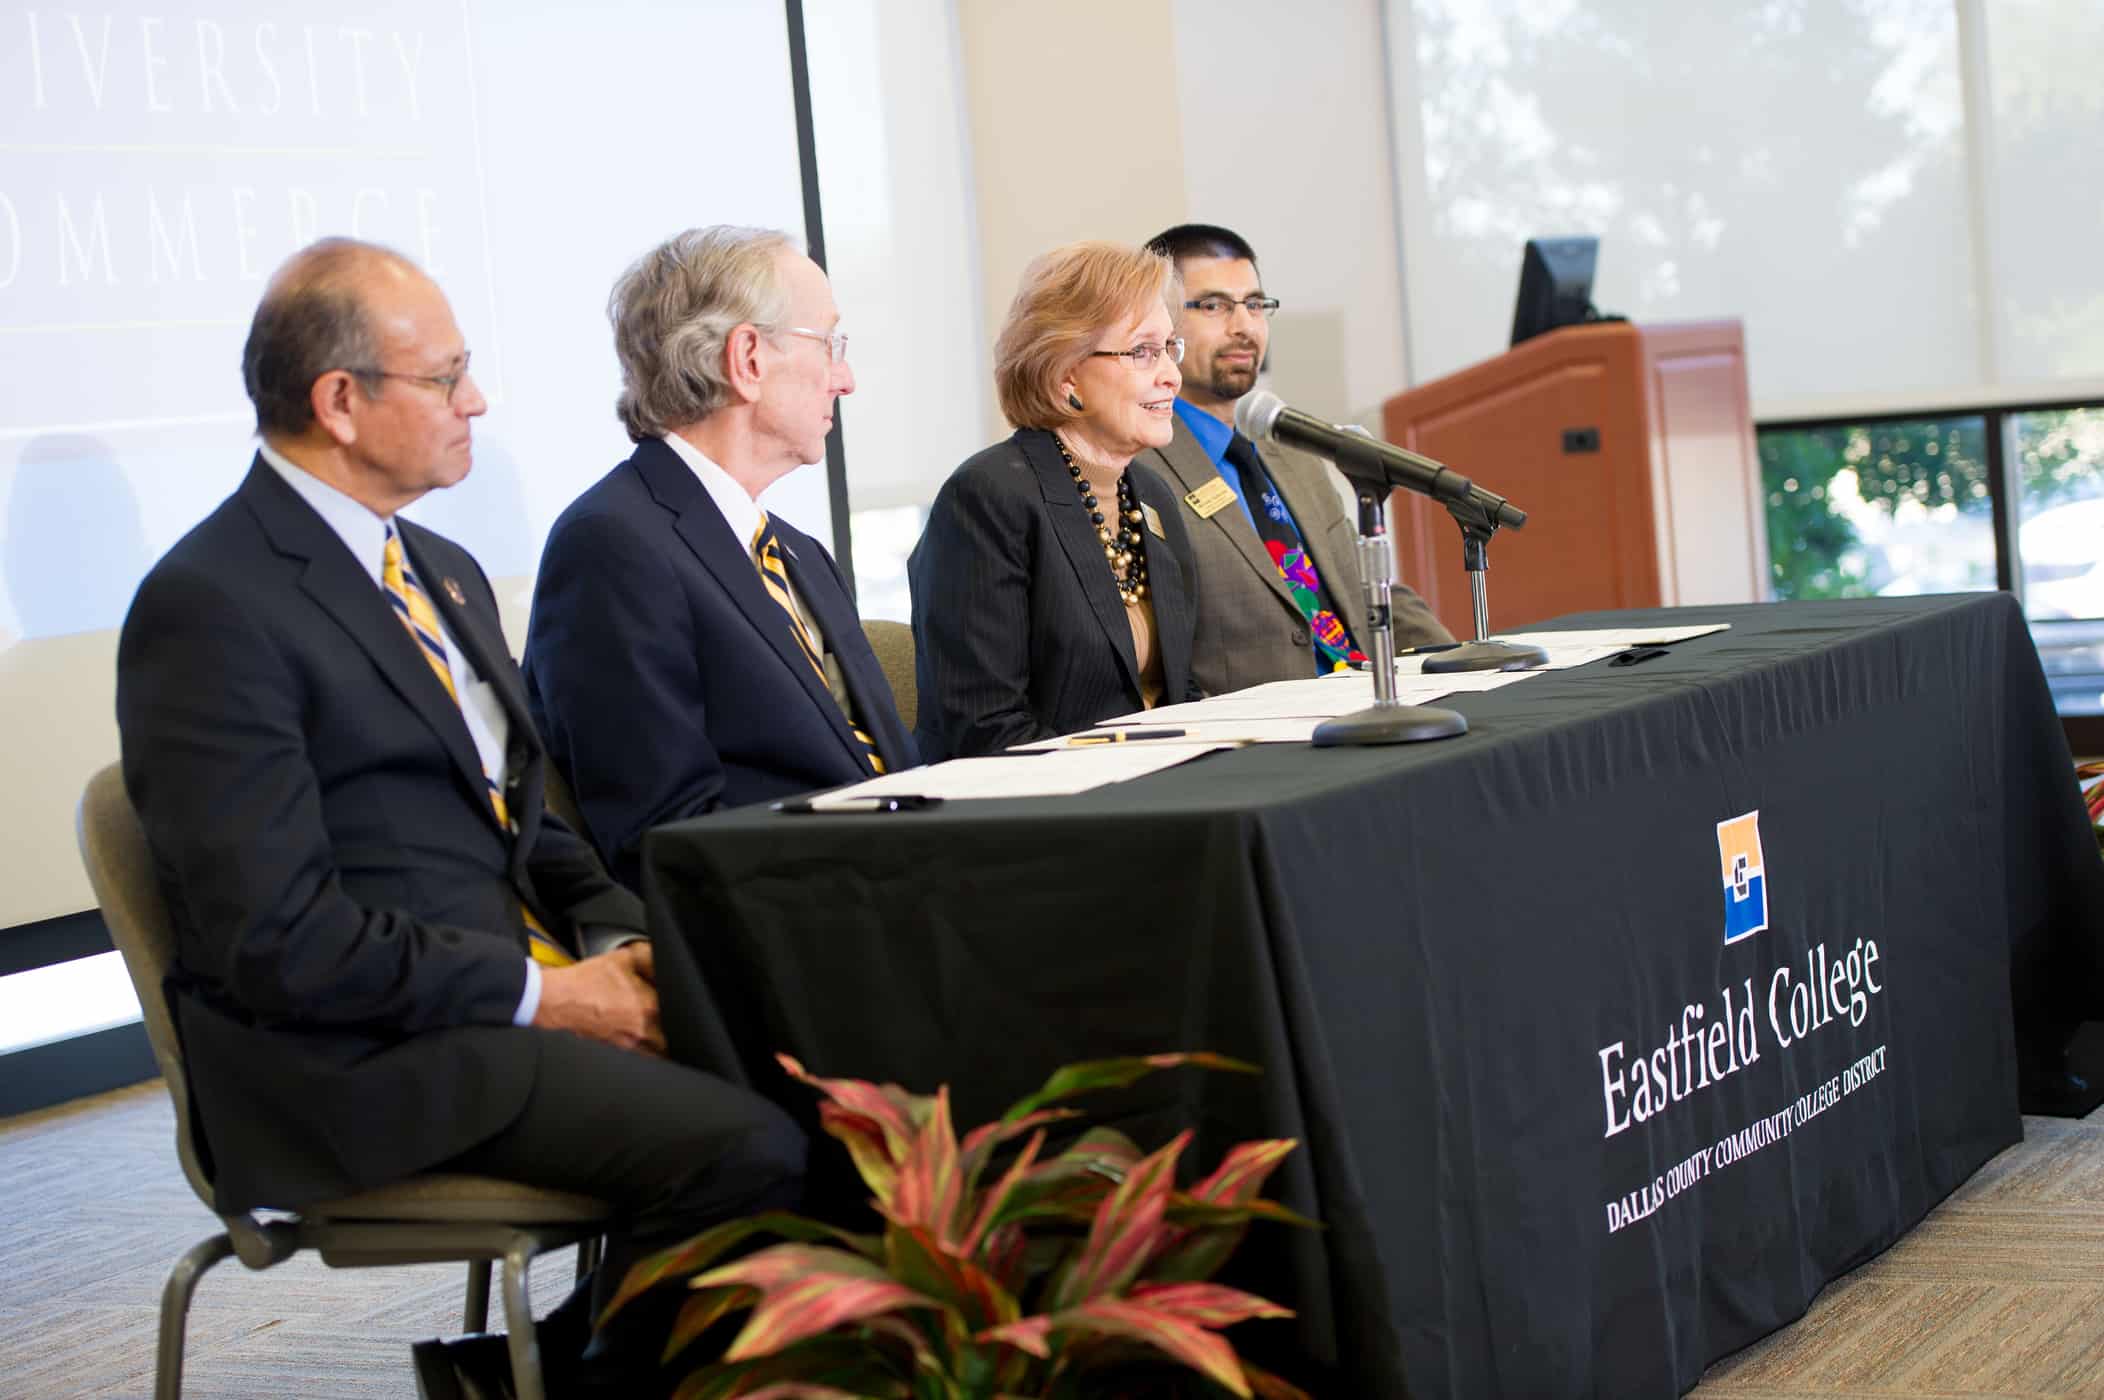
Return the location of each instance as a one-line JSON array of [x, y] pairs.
[[1214, 436]]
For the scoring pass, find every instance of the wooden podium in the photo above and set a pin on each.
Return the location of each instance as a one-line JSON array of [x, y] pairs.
[[1629, 447]]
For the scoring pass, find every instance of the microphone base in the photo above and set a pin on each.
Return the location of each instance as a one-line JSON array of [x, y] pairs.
[[1390, 724], [1484, 656]]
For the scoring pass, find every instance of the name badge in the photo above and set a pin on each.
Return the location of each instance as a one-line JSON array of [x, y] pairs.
[[1154, 521], [1210, 499]]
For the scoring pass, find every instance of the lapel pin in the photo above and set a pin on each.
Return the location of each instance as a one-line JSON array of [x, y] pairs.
[[452, 587]]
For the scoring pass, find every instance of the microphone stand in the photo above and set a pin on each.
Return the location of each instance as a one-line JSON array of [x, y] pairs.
[[1388, 720], [1477, 515]]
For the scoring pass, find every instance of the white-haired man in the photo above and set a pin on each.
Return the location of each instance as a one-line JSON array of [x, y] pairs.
[[687, 651]]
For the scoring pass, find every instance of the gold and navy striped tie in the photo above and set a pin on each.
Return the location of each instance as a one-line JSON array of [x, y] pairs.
[[413, 606], [767, 554]]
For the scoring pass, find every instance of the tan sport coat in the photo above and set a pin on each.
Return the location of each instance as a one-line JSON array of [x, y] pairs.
[[1249, 630]]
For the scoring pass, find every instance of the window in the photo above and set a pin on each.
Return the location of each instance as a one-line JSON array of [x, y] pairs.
[[1879, 509]]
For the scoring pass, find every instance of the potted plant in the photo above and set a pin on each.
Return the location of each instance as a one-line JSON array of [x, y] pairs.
[[1000, 1273]]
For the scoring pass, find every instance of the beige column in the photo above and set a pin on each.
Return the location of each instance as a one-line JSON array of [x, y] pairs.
[[1074, 125]]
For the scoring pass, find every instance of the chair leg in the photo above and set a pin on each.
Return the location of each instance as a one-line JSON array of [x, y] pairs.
[[175, 1312], [474, 1316], [518, 1320]]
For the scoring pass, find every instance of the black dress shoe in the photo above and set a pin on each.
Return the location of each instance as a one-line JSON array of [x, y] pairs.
[[434, 1371], [475, 1367]]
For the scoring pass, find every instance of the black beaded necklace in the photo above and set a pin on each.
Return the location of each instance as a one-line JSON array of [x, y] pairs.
[[1121, 538]]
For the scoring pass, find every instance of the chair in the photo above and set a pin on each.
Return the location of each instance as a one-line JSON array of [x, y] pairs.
[[557, 798], [893, 644], [434, 1218]]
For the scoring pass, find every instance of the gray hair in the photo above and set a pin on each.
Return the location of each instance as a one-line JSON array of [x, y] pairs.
[[312, 319], [673, 312]]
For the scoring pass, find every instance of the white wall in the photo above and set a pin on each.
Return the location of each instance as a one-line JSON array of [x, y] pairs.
[[1285, 136], [902, 246]]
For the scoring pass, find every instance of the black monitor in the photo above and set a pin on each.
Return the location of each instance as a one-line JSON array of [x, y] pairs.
[[1556, 286]]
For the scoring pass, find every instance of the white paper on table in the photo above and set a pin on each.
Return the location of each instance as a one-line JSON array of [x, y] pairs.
[[1562, 655], [1420, 689], [1584, 645], [1615, 638], [1314, 698], [1212, 732], [1024, 775], [1318, 697]]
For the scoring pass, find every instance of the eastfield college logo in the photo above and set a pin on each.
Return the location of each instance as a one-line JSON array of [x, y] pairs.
[[1745, 877]]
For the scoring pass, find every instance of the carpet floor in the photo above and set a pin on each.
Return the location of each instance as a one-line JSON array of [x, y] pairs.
[[1999, 1293]]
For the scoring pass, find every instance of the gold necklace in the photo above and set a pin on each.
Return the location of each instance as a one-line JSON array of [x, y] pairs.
[[1123, 544]]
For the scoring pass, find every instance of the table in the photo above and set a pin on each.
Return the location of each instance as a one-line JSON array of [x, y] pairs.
[[1485, 977]]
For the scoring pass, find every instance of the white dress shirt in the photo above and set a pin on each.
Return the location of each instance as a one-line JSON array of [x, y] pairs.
[[742, 513], [365, 535]]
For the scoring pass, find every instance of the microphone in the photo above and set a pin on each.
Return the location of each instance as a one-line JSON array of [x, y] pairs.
[[1262, 416]]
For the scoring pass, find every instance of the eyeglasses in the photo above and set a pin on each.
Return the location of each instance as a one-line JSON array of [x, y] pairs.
[[836, 343], [447, 382], [1143, 356], [1255, 304]]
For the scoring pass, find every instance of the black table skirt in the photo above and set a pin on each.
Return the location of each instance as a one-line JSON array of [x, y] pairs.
[[1447, 956]]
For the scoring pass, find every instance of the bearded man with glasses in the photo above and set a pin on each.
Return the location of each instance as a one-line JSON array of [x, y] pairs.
[[1052, 582], [1280, 593], [687, 650]]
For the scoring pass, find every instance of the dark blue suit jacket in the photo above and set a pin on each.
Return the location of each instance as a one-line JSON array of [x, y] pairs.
[[666, 680], [348, 911]]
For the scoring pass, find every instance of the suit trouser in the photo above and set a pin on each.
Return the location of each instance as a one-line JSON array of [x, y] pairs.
[[672, 1149]]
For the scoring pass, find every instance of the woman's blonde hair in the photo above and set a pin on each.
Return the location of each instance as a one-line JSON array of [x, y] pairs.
[[1067, 299]]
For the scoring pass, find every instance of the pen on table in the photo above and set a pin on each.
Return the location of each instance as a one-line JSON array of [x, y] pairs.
[[1123, 736], [848, 806]]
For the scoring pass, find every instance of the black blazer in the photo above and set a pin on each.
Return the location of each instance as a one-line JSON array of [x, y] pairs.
[[666, 679], [1018, 630], [347, 909]]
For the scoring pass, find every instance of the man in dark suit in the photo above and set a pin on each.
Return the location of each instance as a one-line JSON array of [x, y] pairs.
[[391, 958], [688, 651], [1280, 594]]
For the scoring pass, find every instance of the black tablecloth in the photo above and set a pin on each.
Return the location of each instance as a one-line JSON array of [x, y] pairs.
[[1482, 974]]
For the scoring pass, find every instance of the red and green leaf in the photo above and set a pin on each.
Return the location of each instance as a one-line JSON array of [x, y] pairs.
[[1072, 1185], [898, 1113], [842, 1361], [1003, 1258], [1204, 1351], [1192, 1256], [980, 1142], [710, 1245], [1031, 1334], [1201, 1235], [702, 1311], [1126, 1230], [915, 1258], [1182, 1210], [929, 1192], [1207, 1304], [1092, 1075], [811, 1295], [990, 1207], [1266, 1386], [779, 1265], [1243, 1171], [867, 1145]]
